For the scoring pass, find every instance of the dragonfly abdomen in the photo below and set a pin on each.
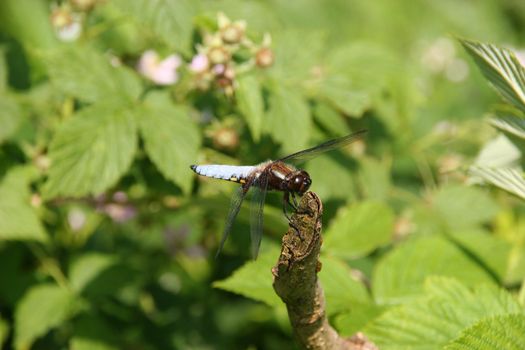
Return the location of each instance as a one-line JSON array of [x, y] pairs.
[[225, 172]]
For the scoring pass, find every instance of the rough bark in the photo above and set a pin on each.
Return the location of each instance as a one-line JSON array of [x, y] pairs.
[[296, 283]]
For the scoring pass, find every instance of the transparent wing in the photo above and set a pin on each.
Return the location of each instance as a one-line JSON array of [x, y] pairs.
[[259, 189], [313, 152], [235, 206]]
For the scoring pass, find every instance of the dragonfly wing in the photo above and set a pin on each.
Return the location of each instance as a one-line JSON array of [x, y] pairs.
[[313, 152], [235, 206], [259, 190]]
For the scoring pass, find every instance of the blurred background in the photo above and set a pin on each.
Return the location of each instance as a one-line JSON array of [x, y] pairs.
[[107, 238]]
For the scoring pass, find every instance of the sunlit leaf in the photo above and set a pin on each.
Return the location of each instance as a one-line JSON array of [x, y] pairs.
[[288, 119], [352, 321], [511, 124], [464, 207], [10, 116], [86, 268], [170, 137], [91, 151], [250, 103], [445, 310], [169, 20], [89, 76], [359, 229], [342, 290], [345, 96], [502, 69], [332, 177], [41, 309], [508, 179], [399, 275], [18, 220], [499, 152], [491, 250], [254, 279], [374, 177], [500, 332]]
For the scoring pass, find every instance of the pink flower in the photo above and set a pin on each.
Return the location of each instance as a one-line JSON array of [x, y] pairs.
[[161, 72], [199, 63]]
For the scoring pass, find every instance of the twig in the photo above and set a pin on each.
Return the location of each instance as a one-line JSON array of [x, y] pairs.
[[295, 281]]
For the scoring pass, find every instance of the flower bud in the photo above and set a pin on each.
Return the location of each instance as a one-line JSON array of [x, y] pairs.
[[218, 55], [264, 57], [233, 33], [226, 138]]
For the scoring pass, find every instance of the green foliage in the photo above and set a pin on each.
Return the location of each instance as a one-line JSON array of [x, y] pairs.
[[86, 74], [14, 203], [250, 101], [107, 237], [501, 332], [400, 274], [446, 308], [359, 229], [42, 308], [171, 140], [171, 21], [252, 280], [92, 150], [507, 75]]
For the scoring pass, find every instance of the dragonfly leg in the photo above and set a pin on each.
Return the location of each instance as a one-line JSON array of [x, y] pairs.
[[286, 202], [295, 204]]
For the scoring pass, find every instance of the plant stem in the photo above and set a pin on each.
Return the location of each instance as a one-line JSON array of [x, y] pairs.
[[296, 283]]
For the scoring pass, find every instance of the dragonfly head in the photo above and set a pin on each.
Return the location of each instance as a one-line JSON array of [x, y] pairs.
[[299, 182]]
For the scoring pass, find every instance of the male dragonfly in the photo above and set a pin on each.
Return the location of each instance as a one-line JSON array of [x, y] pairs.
[[270, 175]]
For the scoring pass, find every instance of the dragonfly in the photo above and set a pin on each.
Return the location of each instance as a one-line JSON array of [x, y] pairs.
[[273, 175]]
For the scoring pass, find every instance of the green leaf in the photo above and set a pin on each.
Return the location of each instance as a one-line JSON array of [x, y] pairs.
[[447, 308], [330, 119], [18, 220], [499, 153], [500, 332], [254, 279], [4, 331], [463, 207], [86, 268], [510, 123], [508, 179], [42, 308], [91, 151], [400, 274], [360, 228], [288, 119], [88, 75], [341, 289], [374, 177], [491, 250], [171, 139], [250, 103], [345, 96], [172, 21], [92, 333], [10, 116], [350, 322], [332, 177], [3, 73], [502, 69]]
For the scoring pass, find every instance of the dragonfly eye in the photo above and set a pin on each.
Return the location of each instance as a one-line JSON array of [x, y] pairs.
[[300, 182]]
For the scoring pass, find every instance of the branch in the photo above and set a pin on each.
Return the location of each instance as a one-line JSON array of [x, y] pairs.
[[295, 281]]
